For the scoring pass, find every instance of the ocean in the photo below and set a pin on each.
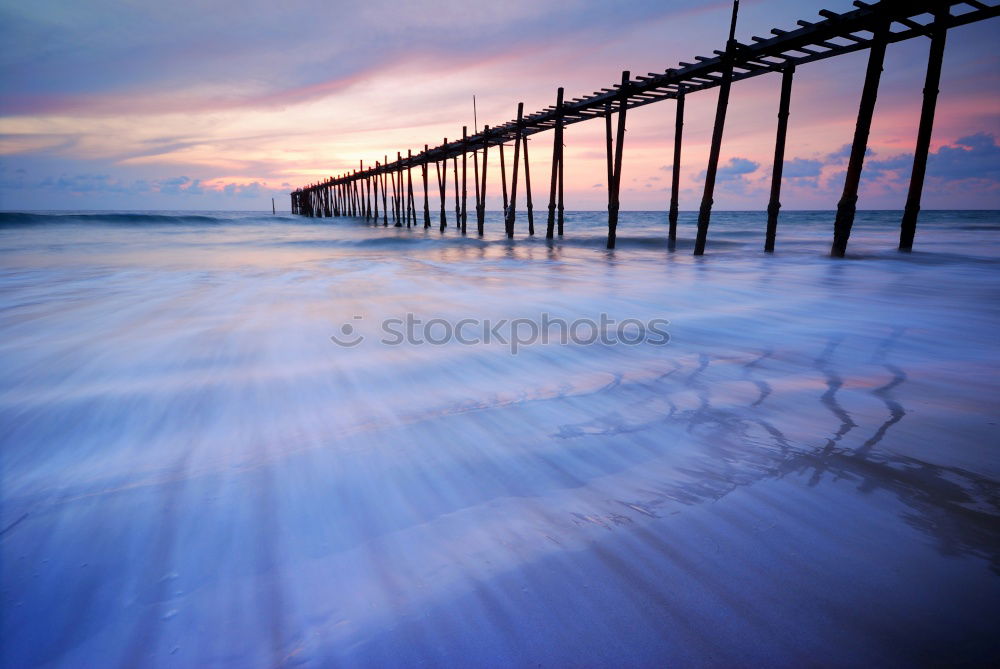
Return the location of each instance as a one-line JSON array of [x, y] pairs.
[[244, 440]]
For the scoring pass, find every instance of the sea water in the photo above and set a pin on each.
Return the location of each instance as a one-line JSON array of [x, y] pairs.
[[213, 454]]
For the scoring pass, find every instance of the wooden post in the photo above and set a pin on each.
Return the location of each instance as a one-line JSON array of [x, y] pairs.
[[465, 186], [475, 178], [848, 204], [458, 199], [503, 181], [273, 210], [411, 212], [355, 194], [427, 206], [368, 195], [527, 187], [481, 206], [512, 212], [364, 200], [442, 177], [675, 176], [375, 182], [385, 194], [397, 177], [774, 206], [614, 183], [556, 159], [707, 199], [559, 206], [608, 146], [908, 227]]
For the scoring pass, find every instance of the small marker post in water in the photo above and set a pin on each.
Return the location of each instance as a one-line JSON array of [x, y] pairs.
[[273, 212]]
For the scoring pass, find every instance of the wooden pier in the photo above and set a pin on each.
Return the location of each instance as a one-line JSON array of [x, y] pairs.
[[872, 26]]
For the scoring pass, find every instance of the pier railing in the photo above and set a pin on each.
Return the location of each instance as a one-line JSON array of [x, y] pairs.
[[870, 26]]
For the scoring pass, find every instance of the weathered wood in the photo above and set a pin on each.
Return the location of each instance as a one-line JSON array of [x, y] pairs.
[[848, 204], [932, 80], [675, 175], [556, 160], [512, 211], [774, 205]]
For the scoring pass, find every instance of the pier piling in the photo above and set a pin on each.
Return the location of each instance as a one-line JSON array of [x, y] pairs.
[[848, 204], [908, 226], [774, 205]]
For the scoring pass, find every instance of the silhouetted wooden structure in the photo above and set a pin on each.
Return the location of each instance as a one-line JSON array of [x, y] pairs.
[[871, 26]]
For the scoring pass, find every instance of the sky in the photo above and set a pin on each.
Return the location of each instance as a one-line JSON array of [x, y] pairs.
[[187, 105]]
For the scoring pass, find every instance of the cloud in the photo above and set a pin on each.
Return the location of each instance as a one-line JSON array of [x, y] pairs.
[[81, 184], [972, 157], [799, 168], [734, 170], [843, 153]]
